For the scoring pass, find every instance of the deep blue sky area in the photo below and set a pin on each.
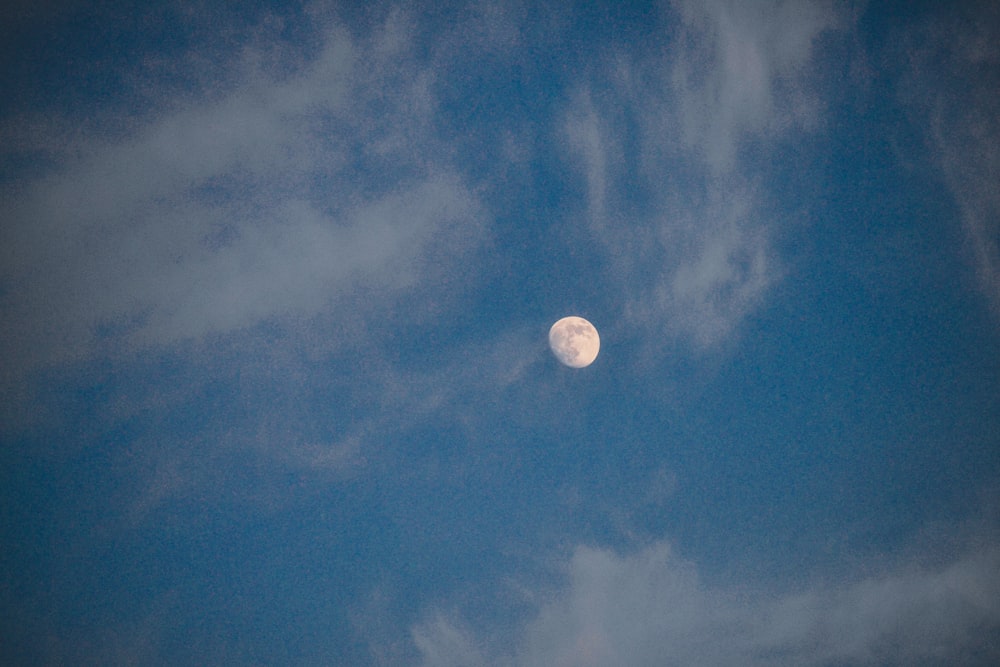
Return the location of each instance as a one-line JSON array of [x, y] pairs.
[[276, 284]]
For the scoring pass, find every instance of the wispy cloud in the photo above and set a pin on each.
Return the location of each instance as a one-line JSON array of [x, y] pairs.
[[651, 608], [444, 644], [658, 140], [294, 185], [266, 230], [738, 72], [954, 72]]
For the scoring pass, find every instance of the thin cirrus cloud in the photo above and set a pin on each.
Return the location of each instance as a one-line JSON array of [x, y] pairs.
[[651, 608], [225, 210], [304, 194], [701, 256], [738, 73], [951, 85]]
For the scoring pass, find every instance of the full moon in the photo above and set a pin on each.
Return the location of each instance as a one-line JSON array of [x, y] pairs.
[[574, 341]]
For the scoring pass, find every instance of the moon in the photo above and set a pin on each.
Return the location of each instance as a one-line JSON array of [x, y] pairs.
[[574, 341]]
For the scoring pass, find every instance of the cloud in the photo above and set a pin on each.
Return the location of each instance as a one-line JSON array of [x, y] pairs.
[[275, 191], [219, 257], [442, 644], [723, 266], [651, 608], [951, 82], [738, 72], [684, 224]]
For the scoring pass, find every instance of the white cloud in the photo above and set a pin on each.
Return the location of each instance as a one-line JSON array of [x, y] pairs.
[[589, 140], [723, 267], [269, 198], [650, 608], [954, 73], [737, 74], [442, 644], [683, 221]]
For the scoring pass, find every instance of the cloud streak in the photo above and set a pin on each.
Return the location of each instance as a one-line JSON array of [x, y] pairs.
[[738, 72], [651, 608], [220, 213], [953, 73], [659, 140]]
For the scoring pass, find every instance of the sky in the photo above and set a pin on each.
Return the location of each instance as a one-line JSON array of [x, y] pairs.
[[276, 281]]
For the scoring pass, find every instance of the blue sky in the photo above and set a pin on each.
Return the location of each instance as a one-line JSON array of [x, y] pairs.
[[276, 284]]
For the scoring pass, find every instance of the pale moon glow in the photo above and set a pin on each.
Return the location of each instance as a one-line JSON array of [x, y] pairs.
[[574, 341]]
